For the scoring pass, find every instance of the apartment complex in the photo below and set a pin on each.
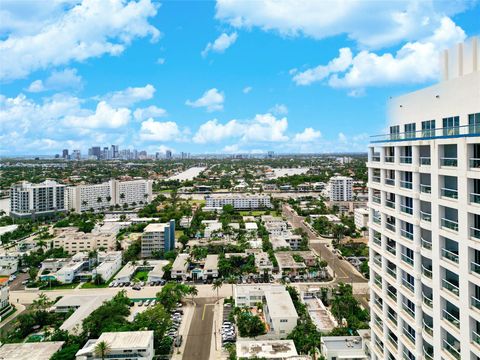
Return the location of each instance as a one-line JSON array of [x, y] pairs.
[[73, 241], [424, 202], [114, 192], [341, 188], [28, 200], [239, 201], [158, 238]]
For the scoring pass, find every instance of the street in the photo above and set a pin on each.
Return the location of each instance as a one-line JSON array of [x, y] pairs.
[[199, 338]]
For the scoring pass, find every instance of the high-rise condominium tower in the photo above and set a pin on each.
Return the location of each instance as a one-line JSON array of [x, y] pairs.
[[424, 188]]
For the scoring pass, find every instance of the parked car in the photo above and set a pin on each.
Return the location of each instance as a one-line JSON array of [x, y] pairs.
[[178, 341], [136, 287]]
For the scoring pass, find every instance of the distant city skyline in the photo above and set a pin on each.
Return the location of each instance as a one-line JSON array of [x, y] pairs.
[[218, 77]]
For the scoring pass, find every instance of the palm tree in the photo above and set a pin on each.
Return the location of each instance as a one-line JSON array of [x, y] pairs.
[[122, 196], [217, 284], [102, 349], [193, 291], [231, 280], [41, 244], [99, 199]]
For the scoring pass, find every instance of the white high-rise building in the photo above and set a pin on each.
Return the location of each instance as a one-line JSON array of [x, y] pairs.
[[341, 188], [27, 199], [424, 201]]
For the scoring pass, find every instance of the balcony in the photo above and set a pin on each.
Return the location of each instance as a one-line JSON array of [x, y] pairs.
[[427, 271], [378, 304], [392, 318], [448, 162], [390, 204], [474, 198], [448, 132], [450, 255], [428, 328], [393, 340], [409, 286], [376, 179], [392, 296], [427, 189], [426, 244], [392, 272], [425, 161], [390, 182], [378, 282], [379, 323], [407, 259], [450, 287], [376, 158], [475, 302], [427, 300], [449, 224], [475, 268], [409, 336], [474, 232], [452, 319], [425, 216], [389, 158], [475, 338], [377, 241], [406, 209], [406, 184], [474, 163], [377, 220], [449, 193], [406, 234], [376, 199], [405, 159], [391, 249], [428, 353], [378, 261], [451, 349], [390, 226]]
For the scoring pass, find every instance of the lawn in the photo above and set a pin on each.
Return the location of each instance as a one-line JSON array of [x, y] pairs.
[[89, 285], [60, 286], [141, 275], [257, 213]]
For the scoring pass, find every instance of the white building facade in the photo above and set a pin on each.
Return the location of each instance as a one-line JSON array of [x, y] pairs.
[[341, 188], [424, 202], [243, 201]]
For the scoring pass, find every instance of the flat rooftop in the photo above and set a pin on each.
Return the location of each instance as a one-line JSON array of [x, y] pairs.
[[343, 342], [127, 339], [30, 351], [180, 263], [280, 304], [156, 227], [286, 260], [268, 349], [211, 262]]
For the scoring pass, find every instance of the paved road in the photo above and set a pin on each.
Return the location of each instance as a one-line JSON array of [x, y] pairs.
[[199, 339]]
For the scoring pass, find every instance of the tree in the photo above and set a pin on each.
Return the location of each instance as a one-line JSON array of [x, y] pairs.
[[122, 196], [99, 199], [102, 349], [193, 291], [42, 303], [217, 284], [231, 280], [250, 325]]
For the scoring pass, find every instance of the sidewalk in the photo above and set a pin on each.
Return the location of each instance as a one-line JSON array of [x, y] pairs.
[[20, 309], [188, 311], [216, 350]]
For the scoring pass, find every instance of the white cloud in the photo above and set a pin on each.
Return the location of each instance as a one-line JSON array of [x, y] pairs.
[[262, 128], [222, 43], [342, 138], [231, 149], [369, 23], [279, 109], [247, 89], [415, 62], [104, 117], [58, 80], [152, 130], [130, 96], [161, 61], [357, 92], [89, 29], [308, 135], [211, 99], [152, 111]]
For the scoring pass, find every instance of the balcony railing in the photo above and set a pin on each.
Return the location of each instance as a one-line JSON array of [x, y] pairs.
[[427, 271], [392, 318], [427, 300], [426, 244], [376, 179], [390, 204], [377, 241], [424, 160], [428, 328], [452, 319], [392, 272], [474, 232], [475, 338], [425, 216], [450, 224], [408, 285], [450, 287], [376, 158], [428, 353], [475, 198], [390, 182], [377, 220], [391, 249], [376, 199], [409, 336], [390, 226], [406, 184], [447, 161], [378, 282], [406, 234], [427, 189], [378, 261], [450, 255], [392, 294], [393, 340], [453, 350], [475, 163], [406, 209], [475, 302], [407, 259], [474, 267], [449, 193], [389, 158], [454, 131], [405, 159]]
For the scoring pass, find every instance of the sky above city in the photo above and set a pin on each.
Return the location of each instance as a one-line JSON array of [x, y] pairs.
[[229, 76]]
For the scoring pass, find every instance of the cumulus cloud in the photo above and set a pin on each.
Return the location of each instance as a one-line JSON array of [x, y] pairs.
[[247, 89], [222, 43], [211, 99], [152, 130], [88, 29], [104, 116], [58, 80], [130, 95], [372, 24], [152, 111], [308, 135], [262, 128], [414, 62], [161, 61], [279, 109]]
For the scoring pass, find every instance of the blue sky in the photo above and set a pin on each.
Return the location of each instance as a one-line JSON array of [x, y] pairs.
[[214, 77]]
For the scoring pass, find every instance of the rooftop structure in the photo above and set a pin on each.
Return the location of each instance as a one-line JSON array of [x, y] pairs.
[[239, 201], [30, 351], [180, 266], [342, 347], [267, 349]]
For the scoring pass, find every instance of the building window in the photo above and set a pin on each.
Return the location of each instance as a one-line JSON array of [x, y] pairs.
[[410, 131], [450, 126], [394, 132], [428, 128], [474, 123]]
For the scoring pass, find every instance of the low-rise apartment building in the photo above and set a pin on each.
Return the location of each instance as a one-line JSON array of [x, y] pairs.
[[110, 264], [238, 201], [158, 238], [210, 269], [280, 313], [5, 306], [247, 295], [263, 264], [180, 267], [74, 241]]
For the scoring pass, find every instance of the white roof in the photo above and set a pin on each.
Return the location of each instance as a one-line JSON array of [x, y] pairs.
[[211, 262], [30, 351], [180, 263], [156, 227], [251, 226], [120, 340], [280, 304], [268, 349]]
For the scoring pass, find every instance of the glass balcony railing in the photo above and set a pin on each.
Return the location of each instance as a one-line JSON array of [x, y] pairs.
[[408, 285], [406, 209], [450, 255], [391, 249], [426, 161], [393, 295], [428, 328], [475, 302], [475, 338], [390, 204], [376, 179], [405, 159], [377, 220], [448, 162], [474, 163], [406, 184], [453, 131], [406, 234], [378, 282], [427, 271], [390, 226], [427, 189], [475, 198], [426, 244], [392, 318], [407, 259], [450, 287], [474, 232], [449, 193], [428, 353], [425, 216], [376, 158], [376, 199], [393, 340], [392, 272], [377, 241], [451, 349], [452, 319], [475, 268], [389, 158], [378, 261], [409, 336], [449, 224], [390, 182], [427, 300]]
